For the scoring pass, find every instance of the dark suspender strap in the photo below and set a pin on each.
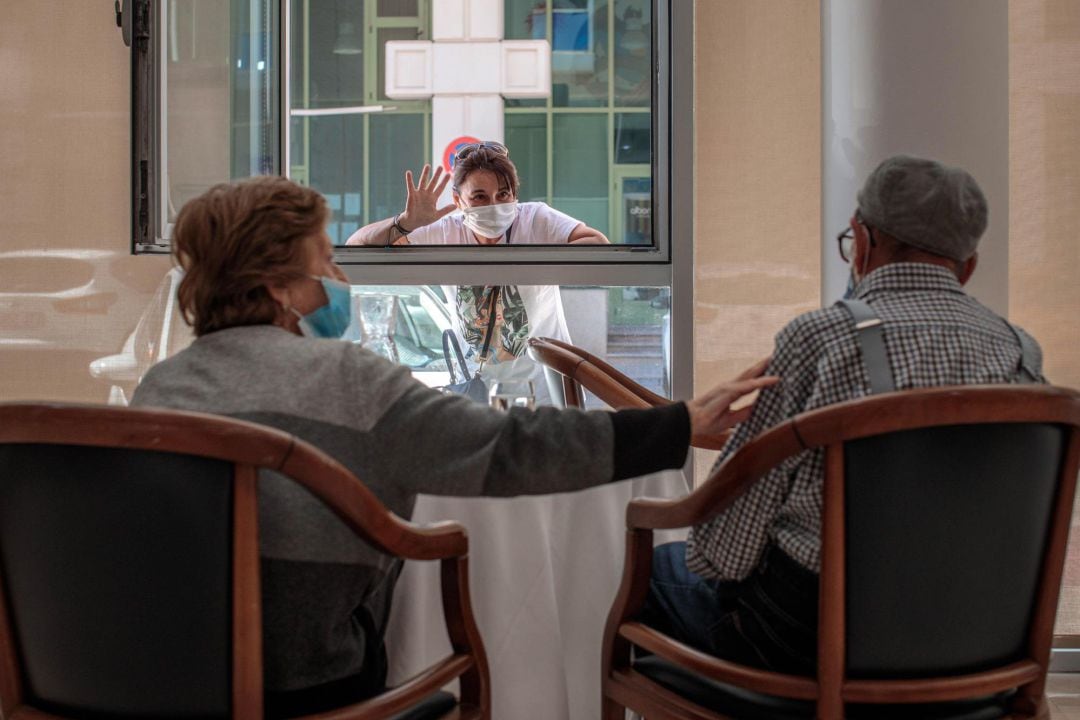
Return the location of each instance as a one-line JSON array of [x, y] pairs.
[[1029, 355], [869, 333]]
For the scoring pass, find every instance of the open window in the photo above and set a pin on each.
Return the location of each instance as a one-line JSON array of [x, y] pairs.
[[311, 89], [226, 89]]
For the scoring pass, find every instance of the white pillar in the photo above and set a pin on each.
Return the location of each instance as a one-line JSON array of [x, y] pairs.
[[467, 71], [922, 77]]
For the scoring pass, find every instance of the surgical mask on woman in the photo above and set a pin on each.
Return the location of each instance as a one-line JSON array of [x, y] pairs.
[[490, 221], [332, 319]]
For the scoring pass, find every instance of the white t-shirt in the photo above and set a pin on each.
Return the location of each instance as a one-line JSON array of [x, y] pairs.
[[536, 224]]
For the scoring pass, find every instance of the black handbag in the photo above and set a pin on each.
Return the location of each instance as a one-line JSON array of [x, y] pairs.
[[474, 388]]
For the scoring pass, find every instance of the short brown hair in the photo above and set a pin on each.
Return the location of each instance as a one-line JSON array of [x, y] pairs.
[[236, 238], [484, 158]]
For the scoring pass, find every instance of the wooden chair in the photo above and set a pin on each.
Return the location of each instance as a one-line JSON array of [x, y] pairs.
[[129, 561], [946, 514], [581, 370]]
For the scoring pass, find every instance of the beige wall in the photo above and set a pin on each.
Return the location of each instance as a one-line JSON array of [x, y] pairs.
[[757, 220], [64, 185], [1044, 207], [1044, 197]]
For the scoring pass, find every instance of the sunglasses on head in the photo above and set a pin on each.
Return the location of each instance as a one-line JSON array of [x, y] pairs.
[[466, 150]]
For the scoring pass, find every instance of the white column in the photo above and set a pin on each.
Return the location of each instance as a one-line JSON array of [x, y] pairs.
[[467, 71], [922, 77]]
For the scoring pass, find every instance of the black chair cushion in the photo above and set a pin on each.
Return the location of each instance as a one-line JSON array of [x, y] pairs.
[[739, 703], [117, 566], [946, 531]]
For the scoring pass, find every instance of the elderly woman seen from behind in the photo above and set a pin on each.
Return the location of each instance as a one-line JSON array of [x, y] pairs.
[[267, 303]]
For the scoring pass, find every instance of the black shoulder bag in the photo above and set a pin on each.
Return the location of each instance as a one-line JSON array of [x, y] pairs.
[[474, 387]]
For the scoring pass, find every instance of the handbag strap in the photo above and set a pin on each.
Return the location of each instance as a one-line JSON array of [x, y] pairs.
[[490, 326], [448, 339]]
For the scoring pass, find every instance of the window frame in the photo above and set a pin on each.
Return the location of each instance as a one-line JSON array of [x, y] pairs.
[[668, 262]]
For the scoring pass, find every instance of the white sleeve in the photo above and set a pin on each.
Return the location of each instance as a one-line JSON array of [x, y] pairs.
[[551, 226], [440, 232]]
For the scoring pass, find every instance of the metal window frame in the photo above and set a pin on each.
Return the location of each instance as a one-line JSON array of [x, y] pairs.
[[669, 263], [668, 107]]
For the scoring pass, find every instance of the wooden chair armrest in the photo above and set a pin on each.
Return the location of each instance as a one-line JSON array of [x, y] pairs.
[[398, 699], [734, 477], [358, 507]]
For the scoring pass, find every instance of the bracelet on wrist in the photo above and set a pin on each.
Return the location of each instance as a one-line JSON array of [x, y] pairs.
[[397, 226]]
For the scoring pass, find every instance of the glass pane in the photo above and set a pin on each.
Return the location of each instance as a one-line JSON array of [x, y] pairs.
[[397, 145], [638, 337], [330, 65], [411, 331], [579, 57], [636, 212], [633, 138], [220, 96], [581, 168], [633, 53], [522, 18], [526, 136], [398, 8], [629, 327], [254, 89], [337, 168]]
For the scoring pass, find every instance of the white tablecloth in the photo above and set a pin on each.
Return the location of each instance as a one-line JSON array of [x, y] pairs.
[[543, 573]]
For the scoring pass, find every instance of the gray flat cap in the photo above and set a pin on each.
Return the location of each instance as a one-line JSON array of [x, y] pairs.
[[926, 204]]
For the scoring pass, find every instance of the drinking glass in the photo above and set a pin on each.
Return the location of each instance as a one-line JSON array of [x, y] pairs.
[[375, 314], [510, 394]]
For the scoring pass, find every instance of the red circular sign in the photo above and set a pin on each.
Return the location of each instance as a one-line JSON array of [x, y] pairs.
[[452, 147]]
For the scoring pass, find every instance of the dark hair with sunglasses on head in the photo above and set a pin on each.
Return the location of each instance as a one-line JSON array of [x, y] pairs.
[[490, 156]]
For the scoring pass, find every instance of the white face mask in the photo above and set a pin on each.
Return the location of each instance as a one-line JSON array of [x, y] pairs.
[[490, 221]]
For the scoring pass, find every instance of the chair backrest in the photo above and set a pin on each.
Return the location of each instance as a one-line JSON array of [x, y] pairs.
[[116, 563], [945, 517], [946, 533], [581, 369], [129, 562], [945, 520]]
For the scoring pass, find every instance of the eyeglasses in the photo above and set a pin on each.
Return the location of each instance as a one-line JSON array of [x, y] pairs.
[[466, 150], [845, 243], [845, 240]]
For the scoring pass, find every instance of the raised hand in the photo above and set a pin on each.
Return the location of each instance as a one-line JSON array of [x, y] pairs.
[[420, 209]]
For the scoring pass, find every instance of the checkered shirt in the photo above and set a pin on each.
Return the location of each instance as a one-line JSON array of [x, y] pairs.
[[935, 334]]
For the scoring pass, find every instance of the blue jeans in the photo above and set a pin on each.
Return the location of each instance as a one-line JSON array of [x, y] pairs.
[[768, 620]]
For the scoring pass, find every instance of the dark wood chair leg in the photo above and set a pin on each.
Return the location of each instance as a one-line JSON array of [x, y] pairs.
[[611, 710]]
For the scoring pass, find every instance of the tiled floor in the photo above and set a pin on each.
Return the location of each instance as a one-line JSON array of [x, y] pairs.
[[1063, 690]]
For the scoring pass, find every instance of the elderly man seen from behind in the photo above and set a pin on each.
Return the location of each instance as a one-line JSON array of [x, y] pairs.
[[744, 587]]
